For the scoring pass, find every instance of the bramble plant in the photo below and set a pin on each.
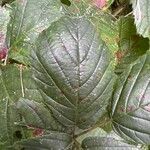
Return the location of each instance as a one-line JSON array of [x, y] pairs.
[[74, 75]]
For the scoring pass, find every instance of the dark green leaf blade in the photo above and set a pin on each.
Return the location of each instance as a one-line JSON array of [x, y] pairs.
[[73, 69], [36, 115], [106, 143], [130, 106], [52, 141]]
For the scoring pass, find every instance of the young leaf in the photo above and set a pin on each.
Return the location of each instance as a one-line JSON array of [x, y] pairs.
[[131, 102], [73, 69]]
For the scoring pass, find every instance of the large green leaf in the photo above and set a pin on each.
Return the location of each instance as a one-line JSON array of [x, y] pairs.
[[28, 19], [15, 82], [142, 16], [73, 69], [106, 143], [131, 102]]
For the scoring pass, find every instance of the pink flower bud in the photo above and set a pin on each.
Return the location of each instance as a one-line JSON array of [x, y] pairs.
[[99, 3], [3, 52]]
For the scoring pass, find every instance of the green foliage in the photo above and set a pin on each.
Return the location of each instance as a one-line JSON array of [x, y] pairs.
[[130, 105], [76, 75], [28, 19], [106, 143], [130, 44], [142, 16]]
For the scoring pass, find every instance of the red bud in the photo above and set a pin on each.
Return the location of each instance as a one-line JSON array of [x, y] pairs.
[[38, 132], [100, 3], [3, 53]]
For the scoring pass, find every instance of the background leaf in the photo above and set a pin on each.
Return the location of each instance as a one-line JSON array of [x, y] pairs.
[[130, 106], [142, 16], [108, 29], [130, 44], [15, 82], [28, 19]]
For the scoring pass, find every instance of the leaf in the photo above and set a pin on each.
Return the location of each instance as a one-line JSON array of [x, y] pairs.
[[53, 141], [104, 21], [105, 122], [93, 133], [36, 115], [109, 30], [75, 7], [15, 82], [130, 44], [28, 19], [142, 16], [130, 105], [106, 143], [74, 71]]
